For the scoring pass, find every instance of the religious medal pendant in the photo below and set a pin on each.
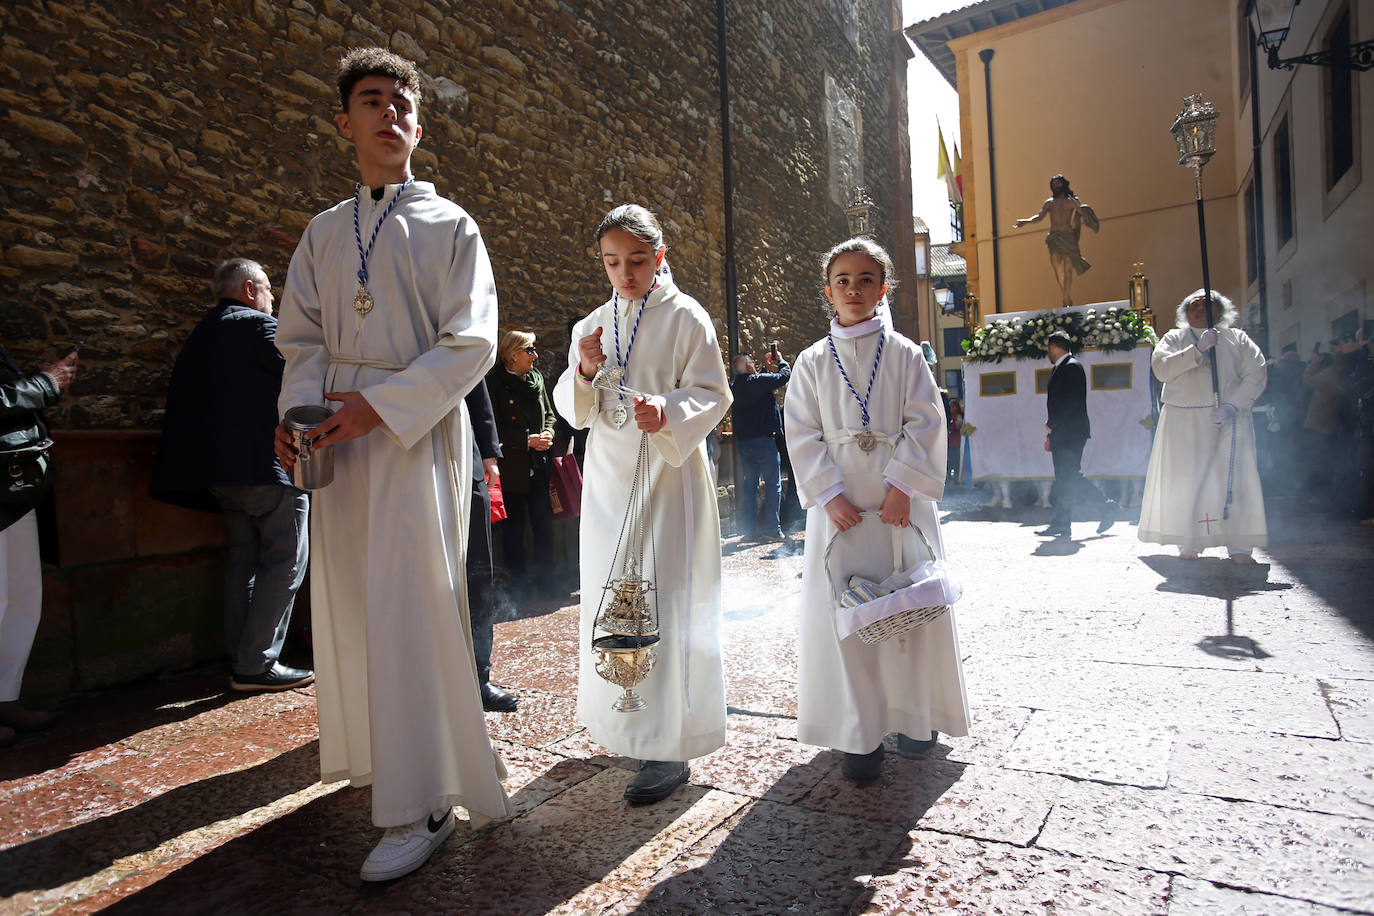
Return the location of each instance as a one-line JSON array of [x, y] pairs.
[[867, 440], [619, 416], [362, 300]]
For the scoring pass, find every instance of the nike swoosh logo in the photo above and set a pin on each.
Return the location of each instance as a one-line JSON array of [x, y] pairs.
[[434, 825]]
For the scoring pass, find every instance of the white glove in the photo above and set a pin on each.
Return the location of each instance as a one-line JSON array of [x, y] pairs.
[[1206, 340], [1225, 413]]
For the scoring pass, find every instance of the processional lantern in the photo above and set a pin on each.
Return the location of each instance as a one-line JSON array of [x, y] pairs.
[[1195, 131], [1139, 293], [971, 317]]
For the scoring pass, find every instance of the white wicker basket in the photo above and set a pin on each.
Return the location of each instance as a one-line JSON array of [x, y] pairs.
[[899, 622]]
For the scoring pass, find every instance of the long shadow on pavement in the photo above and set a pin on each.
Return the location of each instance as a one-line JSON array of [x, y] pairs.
[[87, 848], [807, 855], [95, 721]]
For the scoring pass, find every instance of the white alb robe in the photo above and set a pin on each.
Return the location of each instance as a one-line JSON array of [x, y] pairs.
[[1185, 486], [850, 694], [676, 355], [396, 683]]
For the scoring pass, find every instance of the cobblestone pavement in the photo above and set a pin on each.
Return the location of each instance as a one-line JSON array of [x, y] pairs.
[[1149, 736]]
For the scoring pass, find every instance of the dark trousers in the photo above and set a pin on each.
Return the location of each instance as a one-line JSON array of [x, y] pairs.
[[536, 506], [1070, 486], [479, 578], [268, 532]]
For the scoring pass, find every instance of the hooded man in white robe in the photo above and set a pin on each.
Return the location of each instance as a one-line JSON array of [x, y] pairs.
[[1202, 488]]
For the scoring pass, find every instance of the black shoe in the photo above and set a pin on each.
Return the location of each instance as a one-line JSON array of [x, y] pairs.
[[278, 677], [655, 781], [1110, 511], [494, 699], [911, 746], [1054, 531], [863, 768]]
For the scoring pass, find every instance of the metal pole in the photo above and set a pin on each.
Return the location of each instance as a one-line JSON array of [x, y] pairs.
[[1257, 198], [1206, 276], [731, 297], [985, 56]]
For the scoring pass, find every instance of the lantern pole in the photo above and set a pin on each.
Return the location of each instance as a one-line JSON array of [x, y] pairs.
[[1194, 130]]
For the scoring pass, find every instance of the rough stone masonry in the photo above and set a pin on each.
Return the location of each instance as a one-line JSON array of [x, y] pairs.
[[141, 143]]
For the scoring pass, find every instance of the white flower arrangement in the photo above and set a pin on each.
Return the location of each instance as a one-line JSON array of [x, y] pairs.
[[1011, 338]]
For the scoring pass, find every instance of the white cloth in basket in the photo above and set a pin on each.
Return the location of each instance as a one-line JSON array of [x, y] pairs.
[[924, 585]]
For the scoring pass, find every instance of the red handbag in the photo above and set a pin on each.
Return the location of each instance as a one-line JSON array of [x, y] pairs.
[[565, 487], [498, 502]]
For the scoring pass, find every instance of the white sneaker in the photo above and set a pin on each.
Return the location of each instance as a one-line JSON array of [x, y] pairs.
[[404, 849]]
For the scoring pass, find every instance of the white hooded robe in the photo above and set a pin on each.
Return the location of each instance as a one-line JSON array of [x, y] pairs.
[[1191, 460], [850, 694], [396, 683], [675, 354]]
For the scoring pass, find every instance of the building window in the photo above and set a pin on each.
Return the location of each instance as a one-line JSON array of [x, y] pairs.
[[1246, 37], [1283, 182], [954, 338], [1251, 259], [954, 382], [1340, 103]]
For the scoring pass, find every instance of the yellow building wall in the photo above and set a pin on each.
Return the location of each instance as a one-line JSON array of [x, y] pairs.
[[1090, 90]]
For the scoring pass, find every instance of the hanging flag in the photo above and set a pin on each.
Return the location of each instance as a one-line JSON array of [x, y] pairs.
[[945, 171], [958, 170]]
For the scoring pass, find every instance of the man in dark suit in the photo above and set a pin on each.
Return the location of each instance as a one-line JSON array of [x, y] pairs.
[[486, 448], [1067, 425], [216, 455]]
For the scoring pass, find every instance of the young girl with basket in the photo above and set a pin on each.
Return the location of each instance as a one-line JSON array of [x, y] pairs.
[[866, 434]]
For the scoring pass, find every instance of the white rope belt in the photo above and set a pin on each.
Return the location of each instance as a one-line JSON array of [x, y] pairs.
[[343, 359]]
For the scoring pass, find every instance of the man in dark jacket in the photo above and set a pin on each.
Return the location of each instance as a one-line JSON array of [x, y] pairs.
[[217, 455], [756, 423], [1067, 425], [486, 448]]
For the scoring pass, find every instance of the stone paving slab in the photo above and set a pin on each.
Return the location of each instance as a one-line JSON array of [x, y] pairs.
[[1201, 898], [1335, 777], [762, 766], [937, 873], [1049, 805], [1318, 857], [591, 831], [985, 802], [992, 732], [772, 858], [1155, 695], [1070, 744], [541, 719], [1352, 703]]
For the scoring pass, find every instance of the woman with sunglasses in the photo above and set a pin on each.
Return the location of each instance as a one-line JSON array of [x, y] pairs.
[[524, 421]]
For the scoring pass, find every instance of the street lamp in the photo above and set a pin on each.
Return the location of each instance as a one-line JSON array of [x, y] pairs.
[[944, 296], [1195, 131], [1271, 19], [859, 212]]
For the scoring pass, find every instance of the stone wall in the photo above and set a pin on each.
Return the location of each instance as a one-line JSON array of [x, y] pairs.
[[141, 143], [144, 142]]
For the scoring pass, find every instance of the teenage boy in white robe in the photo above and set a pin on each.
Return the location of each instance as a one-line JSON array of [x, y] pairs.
[[393, 321], [666, 343], [1201, 450], [866, 432]]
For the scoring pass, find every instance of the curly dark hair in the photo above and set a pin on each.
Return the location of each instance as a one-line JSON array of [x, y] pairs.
[[1068, 191], [361, 62]]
